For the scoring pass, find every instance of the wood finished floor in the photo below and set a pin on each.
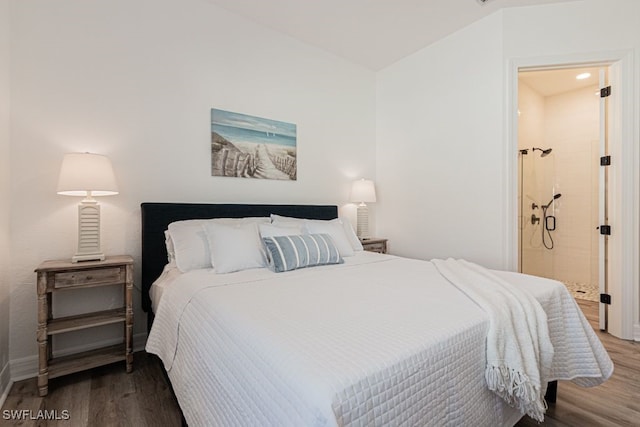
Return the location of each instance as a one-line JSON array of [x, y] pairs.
[[614, 403], [108, 396], [105, 396]]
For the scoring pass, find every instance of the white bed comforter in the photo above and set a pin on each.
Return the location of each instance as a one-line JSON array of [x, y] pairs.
[[378, 340]]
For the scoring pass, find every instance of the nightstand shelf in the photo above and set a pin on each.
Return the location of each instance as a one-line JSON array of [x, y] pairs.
[[57, 276], [84, 321], [374, 244], [70, 364]]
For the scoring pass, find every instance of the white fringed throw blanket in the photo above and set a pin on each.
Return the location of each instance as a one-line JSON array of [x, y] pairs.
[[519, 350]]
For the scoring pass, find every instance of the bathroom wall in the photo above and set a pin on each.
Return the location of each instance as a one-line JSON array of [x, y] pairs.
[[569, 124], [572, 129]]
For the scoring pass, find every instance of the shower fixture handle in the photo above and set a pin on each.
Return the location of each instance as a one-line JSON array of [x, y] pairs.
[[550, 223], [535, 219], [555, 197], [534, 206]]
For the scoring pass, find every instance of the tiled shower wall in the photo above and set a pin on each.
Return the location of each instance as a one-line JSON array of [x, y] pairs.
[[569, 124]]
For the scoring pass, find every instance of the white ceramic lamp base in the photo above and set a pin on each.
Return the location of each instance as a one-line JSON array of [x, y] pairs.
[[88, 232], [362, 229]]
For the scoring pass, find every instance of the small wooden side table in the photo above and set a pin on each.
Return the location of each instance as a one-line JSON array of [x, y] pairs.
[[62, 276], [375, 244]]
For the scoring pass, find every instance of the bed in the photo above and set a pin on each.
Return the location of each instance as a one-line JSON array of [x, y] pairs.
[[372, 340]]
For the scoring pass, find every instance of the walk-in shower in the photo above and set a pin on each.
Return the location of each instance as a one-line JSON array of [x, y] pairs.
[[558, 159], [538, 220]]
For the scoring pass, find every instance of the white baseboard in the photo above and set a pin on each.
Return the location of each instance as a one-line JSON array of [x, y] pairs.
[[23, 368], [5, 383], [636, 332], [27, 367]]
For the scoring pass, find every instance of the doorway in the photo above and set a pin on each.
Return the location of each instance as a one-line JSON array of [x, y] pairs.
[[560, 124], [623, 133]]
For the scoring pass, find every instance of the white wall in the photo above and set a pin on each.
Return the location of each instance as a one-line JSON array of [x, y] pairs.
[[572, 27], [5, 201], [441, 125], [439, 146], [136, 81]]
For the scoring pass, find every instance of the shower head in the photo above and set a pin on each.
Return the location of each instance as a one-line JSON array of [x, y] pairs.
[[555, 196], [545, 152]]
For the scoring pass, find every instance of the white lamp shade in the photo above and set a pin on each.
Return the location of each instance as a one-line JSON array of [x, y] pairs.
[[363, 191], [82, 174]]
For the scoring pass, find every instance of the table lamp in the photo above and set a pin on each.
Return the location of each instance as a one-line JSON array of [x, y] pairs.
[[87, 175], [363, 191]]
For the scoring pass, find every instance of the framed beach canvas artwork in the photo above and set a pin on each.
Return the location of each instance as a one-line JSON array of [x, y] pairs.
[[244, 146]]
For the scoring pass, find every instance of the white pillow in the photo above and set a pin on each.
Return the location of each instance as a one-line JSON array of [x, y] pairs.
[[190, 245], [283, 220], [349, 234], [190, 240], [335, 229], [171, 252], [231, 221], [273, 230], [235, 247]]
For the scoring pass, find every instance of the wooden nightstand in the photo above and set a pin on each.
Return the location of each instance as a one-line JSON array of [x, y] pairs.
[[61, 276], [375, 244]]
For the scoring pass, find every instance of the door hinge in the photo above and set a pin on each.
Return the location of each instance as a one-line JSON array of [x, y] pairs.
[[605, 299], [605, 161], [605, 91], [605, 230]]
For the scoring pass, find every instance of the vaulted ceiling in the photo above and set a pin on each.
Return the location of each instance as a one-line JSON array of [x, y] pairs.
[[372, 33]]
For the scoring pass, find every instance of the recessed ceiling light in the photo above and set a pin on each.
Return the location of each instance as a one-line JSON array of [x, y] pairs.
[[583, 76]]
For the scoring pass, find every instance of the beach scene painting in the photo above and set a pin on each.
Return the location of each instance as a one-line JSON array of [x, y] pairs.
[[244, 146]]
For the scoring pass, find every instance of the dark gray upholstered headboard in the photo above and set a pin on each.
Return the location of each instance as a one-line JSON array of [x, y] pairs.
[[156, 217]]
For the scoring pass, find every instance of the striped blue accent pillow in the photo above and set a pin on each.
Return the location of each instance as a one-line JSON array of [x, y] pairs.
[[301, 250]]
